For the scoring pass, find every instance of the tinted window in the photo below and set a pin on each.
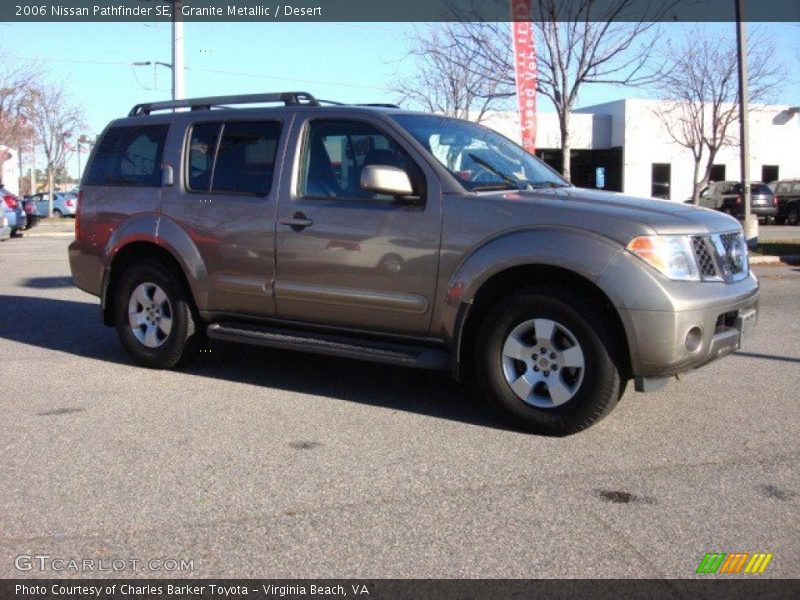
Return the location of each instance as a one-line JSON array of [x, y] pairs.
[[336, 152], [661, 178], [245, 160], [760, 189], [202, 146], [129, 156]]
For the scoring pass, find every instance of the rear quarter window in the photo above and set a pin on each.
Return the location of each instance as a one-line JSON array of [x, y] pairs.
[[129, 155]]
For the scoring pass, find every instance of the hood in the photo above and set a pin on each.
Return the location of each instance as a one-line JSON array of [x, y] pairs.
[[601, 211]]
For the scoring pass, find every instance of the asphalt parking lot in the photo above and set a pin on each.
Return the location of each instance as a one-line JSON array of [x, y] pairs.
[[273, 464]]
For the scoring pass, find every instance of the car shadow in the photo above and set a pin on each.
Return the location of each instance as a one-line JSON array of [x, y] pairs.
[[768, 356], [76, 328], [47, 282]]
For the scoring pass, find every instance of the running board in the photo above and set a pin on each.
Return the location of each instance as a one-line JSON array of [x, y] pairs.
[[421, 357]]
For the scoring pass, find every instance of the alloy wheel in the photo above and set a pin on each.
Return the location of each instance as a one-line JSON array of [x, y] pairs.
[[543, 363], [150, 315]]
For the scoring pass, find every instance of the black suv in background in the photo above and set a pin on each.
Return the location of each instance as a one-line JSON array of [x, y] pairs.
[[728, 197], [787, 200]]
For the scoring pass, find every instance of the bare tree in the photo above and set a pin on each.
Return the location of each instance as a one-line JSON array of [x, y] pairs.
[[579, 42], [442, 84], [700, 93], [54, 119], [16, 80]]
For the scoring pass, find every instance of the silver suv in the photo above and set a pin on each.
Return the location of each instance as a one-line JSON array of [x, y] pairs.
[[400, 237]]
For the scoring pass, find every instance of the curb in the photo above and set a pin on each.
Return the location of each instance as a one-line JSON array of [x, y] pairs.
[[789, 259]]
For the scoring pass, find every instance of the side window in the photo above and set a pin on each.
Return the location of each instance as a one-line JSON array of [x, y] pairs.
[[335, 153], [129, 156], [246, 158], [241, 162], [202, 145]]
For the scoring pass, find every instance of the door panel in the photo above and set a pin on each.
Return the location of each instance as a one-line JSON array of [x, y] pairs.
[[347, 257], [225, 201]]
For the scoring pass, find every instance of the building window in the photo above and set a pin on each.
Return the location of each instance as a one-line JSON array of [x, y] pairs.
[[769, 173], [717, 173], [661, 178]]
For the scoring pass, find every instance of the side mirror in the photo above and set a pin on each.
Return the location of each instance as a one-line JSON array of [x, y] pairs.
[[167, 176], [384, 179]]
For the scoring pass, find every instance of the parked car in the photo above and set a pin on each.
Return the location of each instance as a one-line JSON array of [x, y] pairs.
[[230, 224], [13, 212], [787, 198], [65, 204], [727, 196], [5, 230], [31, 212]]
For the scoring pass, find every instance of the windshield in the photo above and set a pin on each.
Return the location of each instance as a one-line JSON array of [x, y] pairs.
[[480, 158]]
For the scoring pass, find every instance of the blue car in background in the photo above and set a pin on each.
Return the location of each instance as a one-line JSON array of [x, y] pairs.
[[12, 211], [65, 204]]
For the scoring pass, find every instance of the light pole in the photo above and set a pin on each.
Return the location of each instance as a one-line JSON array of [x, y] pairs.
[[744, 124], [177, 52], [177, 65]]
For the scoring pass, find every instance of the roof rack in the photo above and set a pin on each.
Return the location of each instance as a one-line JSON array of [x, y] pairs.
[[288, 99]]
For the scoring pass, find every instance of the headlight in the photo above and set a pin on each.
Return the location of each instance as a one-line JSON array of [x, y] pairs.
[[672, 255]]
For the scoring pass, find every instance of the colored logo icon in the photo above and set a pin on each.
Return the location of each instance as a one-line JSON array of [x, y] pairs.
[[737, 562]]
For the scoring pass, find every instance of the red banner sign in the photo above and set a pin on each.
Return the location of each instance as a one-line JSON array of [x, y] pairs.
[[525, 70]]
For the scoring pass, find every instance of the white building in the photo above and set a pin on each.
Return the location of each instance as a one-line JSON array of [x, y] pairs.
[[630, 142]]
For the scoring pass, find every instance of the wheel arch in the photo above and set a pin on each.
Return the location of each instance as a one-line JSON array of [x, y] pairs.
[[129, 254], [509, 280]]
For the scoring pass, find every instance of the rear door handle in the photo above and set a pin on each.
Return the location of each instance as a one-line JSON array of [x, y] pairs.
[[298, 221]]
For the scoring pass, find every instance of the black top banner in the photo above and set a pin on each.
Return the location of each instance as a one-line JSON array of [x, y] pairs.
[[392, 10]]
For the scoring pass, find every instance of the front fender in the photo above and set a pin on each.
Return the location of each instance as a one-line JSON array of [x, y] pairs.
[[581, 252]]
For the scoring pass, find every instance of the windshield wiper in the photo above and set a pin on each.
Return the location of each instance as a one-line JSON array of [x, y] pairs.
[[511, 180], [495, 186], [549, 184]]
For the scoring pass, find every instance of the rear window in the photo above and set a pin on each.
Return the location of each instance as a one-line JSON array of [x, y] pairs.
[[760, 189], [129, 156]]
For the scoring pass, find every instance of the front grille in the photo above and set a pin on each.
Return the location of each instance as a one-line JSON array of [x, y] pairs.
[[721, 256], [705, 259]]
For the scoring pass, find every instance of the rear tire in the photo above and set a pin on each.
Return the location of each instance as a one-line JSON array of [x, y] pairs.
[[780, 220], [561, 344], [154, 316], [57, 214], [793, 215]]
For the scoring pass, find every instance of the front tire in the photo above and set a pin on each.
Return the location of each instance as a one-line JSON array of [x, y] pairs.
[[154, 316], [550, 361]]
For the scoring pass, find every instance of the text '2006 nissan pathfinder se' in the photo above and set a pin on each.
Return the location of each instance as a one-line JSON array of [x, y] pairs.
[[381, 234]]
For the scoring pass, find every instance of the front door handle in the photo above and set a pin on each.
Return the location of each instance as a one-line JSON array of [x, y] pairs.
[[298, 221]]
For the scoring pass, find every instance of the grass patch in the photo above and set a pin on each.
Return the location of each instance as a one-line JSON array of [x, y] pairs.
[[777, 248]]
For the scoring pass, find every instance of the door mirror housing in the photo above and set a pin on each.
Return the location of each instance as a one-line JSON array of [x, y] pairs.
[[384, 179]]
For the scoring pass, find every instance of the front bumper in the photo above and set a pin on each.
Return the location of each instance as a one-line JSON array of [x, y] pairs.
[[659, 314], [661, 337]]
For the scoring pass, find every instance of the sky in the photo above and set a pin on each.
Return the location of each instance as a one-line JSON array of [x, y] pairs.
[[348, 62]]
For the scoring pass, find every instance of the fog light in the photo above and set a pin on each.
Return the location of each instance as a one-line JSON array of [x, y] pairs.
[[694, 338]]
